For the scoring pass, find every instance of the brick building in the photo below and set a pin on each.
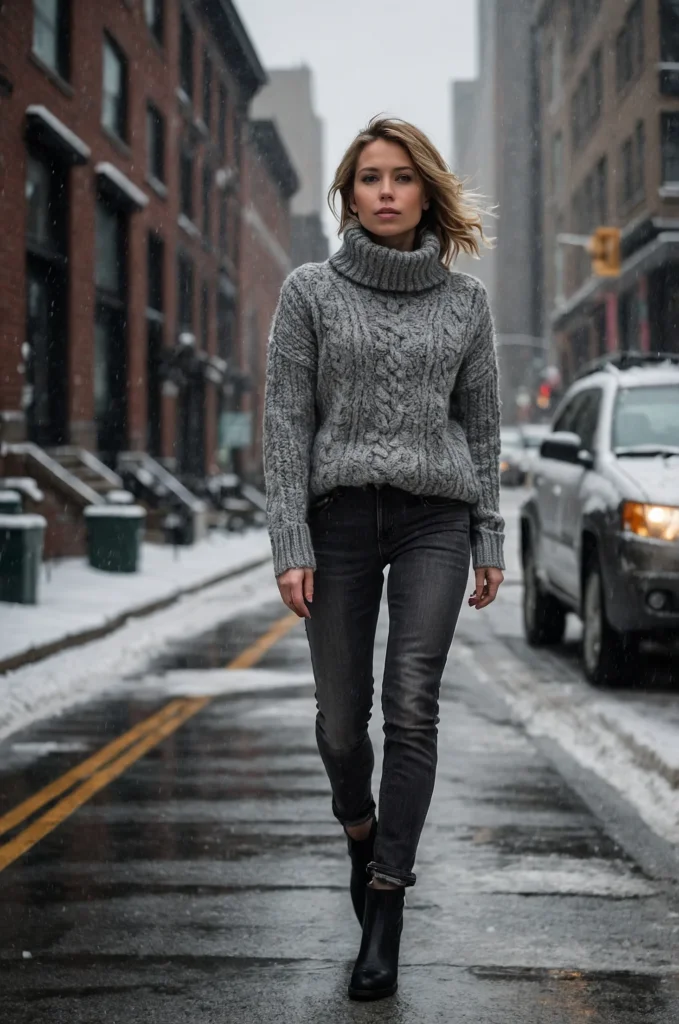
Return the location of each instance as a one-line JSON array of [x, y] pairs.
[[122, 136], [269, 183], [608, 74]]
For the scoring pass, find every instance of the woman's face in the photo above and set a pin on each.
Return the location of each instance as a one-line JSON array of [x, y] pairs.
[[388, 194]]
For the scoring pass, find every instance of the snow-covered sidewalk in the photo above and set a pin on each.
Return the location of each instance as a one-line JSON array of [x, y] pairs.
[[77, 602]]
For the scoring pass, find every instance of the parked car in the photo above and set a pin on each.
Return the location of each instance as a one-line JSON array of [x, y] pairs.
[[600, 529], [532, 435], [511, 472]]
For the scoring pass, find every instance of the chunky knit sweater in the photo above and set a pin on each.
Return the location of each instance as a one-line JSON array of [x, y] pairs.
[[381, 369]]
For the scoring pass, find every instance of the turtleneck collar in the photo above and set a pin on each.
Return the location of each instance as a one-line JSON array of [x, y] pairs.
[[390, 270]]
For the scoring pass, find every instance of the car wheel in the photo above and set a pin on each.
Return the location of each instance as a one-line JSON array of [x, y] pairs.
[[610, 658], [544, 617]]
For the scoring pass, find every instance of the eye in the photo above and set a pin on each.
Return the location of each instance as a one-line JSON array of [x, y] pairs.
[[367, 178], [405, 177]]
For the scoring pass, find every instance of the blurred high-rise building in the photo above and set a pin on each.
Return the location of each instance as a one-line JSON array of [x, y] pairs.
[[608, 119], [494, 138], [288, 101]]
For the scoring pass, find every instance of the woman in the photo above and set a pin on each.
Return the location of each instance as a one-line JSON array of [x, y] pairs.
[[381, 447]]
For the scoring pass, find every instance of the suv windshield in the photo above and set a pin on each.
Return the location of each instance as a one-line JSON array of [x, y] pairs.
[[647, 418]]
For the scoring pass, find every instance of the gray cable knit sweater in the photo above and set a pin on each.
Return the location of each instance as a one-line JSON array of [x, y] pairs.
[[381, 369]]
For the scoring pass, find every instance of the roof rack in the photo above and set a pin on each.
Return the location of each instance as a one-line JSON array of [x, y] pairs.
[[619, 361]]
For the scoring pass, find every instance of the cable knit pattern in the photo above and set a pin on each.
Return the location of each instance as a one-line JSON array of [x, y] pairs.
[[381, 369]]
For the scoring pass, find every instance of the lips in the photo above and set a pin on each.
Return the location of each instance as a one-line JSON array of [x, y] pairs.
[[387, 211]]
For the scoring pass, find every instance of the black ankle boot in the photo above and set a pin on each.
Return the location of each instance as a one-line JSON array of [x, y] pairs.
[[361, 853], [375, 973]]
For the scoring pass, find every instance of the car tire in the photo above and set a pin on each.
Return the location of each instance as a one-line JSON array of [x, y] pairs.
[[609, 658], [544, 617]]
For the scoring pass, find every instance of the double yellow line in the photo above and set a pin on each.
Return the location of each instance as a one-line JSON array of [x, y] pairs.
[[97, 771]]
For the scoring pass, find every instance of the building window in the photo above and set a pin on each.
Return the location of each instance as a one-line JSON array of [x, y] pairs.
[[601, 192], [582, 14], [587, 101], [184, 293], [110, 358], [50, 34], [629, 46], [114, 93], [46, 291], [223, 115], [632, 158], [153, 12], [207, 189], [670, 147], [207, 89], [156, 251], [669, 31], [155, 130], [186, 180], [186, 56]]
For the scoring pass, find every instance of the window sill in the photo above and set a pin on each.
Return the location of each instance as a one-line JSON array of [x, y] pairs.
[[118, 144], [187, 225], [669, 190], [54, 76], [157, 186]]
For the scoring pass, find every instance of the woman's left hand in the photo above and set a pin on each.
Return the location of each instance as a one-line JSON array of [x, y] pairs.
[[488, 582]]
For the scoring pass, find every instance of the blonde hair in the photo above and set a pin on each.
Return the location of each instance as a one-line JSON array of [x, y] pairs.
[[454, 213]]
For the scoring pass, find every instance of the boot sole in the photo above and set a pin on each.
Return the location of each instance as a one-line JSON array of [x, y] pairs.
[[366, 995]]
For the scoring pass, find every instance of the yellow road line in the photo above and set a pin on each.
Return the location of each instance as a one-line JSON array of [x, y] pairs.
[[81, 771], [113, 759], [64, 808], [252, 654]]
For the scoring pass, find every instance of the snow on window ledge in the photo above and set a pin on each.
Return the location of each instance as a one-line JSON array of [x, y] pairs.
[[65, 134], [122, 183]]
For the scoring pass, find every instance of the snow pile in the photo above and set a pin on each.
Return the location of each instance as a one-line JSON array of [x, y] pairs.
[[75, 598], [78, 674]]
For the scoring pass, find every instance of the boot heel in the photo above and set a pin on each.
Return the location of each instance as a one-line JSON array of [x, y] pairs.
[[375, 974]]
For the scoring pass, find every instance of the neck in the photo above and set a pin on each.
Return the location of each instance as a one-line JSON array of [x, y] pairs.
[[403, 243]]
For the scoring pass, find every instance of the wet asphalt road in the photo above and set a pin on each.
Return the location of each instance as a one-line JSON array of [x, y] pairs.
[[208, 882]]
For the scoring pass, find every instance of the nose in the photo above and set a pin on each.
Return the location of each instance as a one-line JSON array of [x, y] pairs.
[[386, 191]]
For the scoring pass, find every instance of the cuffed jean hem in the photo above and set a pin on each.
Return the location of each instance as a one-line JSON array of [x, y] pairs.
[[386, 874], [368, 815]]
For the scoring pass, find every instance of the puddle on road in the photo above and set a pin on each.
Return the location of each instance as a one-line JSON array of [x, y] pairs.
[[217, 647], [581, 844], [614, 996]]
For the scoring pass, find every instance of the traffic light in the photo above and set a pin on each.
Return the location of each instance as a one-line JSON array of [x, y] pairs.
[[544, 395], [604, 248]]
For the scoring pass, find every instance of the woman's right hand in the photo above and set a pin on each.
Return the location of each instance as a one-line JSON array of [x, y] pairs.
[[295, 585]]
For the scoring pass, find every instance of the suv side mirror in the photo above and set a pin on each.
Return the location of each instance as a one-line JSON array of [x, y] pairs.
[[563, 446]]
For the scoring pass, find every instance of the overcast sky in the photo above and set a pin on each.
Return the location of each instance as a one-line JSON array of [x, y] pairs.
[[396, 56]]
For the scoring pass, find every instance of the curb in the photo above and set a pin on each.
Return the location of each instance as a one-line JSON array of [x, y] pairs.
[[95, 633]]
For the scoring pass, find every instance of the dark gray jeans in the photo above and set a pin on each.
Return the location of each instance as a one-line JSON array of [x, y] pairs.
[[357, 532]]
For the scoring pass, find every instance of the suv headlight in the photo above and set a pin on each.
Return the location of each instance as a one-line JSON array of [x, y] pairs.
[[660, 522]]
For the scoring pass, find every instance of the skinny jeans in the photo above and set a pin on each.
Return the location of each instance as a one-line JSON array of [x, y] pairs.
[[356, 533]]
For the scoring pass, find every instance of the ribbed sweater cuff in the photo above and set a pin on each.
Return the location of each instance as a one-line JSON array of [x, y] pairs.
[[292, 549], [487, 549]]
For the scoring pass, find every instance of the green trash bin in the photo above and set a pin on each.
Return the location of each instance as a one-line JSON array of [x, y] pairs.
[[21, 545], [10, 503], [114, 534]]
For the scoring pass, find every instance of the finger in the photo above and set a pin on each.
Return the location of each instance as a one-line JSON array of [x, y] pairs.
[[480, 582], [297, 598], [309, 585], [489, 595]]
